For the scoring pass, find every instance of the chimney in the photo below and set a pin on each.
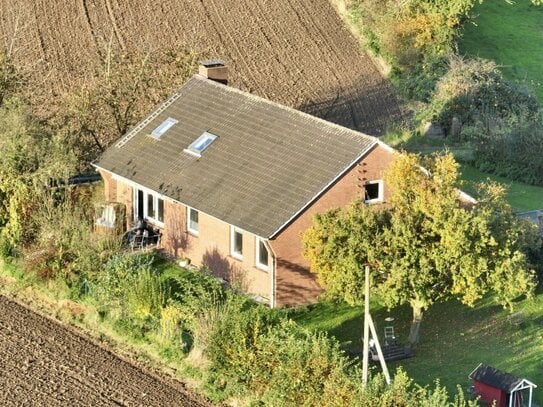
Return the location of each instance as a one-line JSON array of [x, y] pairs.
[[215, 70]]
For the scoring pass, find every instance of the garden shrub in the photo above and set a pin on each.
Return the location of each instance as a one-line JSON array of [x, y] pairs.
[[257, 355], [473, 87], [144, 297], [511, 146], [194, 289], [238, 324], [413, 37], [171, 318], [109, 286]]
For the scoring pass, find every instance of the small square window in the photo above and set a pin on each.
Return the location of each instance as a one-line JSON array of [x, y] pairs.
[[262, 255], [192, 222], [236, 243], [373, 192]]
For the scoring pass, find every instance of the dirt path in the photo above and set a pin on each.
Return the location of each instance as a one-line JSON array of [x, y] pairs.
[[44, 363], [295, 52]]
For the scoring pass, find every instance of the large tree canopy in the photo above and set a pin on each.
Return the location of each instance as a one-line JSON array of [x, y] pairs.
[[426, 245]]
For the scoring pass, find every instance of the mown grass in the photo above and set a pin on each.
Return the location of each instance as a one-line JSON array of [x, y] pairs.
[[522, 197], [454, 338], [510, 33]]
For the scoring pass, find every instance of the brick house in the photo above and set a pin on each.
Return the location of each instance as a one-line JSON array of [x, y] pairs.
[[232, 180]]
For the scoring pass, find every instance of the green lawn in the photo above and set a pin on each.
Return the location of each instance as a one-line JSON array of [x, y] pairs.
[[522, 197], [454, 338], [511, 35]]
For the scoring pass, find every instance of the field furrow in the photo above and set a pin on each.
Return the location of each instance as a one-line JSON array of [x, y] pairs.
[[45, 363], [295, 52]]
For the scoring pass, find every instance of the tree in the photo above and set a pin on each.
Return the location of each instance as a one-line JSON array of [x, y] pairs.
[[426, 246], [32, 156], [125, 86]]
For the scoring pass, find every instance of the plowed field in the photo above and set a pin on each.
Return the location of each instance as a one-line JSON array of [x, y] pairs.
[[43, 363], [295, 52]]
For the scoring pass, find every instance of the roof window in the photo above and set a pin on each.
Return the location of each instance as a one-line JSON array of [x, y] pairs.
[[200, 144], [163, 128]]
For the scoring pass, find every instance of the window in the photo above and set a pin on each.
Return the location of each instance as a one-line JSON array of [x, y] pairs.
[[163, 128], [373, 192], [236, 243], [261, 254], [200, 144], [148, 206], [160, 210], [192, 221]]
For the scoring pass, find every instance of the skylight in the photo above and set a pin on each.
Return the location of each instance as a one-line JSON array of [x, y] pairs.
[[163, 128], [200, 144]]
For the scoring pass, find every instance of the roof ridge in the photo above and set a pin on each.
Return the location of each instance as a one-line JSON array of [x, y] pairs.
[[283, 107]]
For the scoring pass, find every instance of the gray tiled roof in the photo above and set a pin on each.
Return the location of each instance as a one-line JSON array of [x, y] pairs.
[[267, 163]]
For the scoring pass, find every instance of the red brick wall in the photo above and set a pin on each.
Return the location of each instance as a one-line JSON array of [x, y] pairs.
[[211, 247], [295, 284]]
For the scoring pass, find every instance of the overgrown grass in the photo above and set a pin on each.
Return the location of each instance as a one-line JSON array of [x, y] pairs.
[[454, 338], [53, 297], [510, 34]]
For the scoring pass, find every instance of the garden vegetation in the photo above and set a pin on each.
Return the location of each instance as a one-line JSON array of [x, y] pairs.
[[427, 244], [469, 99], [241, 350]]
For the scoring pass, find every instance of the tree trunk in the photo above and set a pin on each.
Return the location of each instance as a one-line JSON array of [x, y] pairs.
[[414, 333]]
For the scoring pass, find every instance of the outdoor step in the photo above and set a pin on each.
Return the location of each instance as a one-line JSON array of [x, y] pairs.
[[395, 352]]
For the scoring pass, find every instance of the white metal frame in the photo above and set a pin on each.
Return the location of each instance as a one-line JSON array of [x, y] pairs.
[[195, 232], [264, 267], [145, 214], [380, 193], [233, 252], [523, 385]]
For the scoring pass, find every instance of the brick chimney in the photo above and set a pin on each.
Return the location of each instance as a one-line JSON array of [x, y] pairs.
[[215, 70]]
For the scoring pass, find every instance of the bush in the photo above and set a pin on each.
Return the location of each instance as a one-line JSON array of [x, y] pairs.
[[471, 89], [194, 289], [255, 354], [510, 146], [109, 286]]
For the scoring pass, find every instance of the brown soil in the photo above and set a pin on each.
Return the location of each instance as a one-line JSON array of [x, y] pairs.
[[295, 52], [43, 363]]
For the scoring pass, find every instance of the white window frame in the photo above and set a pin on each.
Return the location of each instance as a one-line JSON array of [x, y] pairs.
[[233, 252], [198, 146], [381, 192], [145, 215], [163, 127], [192, 231], [264, 267]]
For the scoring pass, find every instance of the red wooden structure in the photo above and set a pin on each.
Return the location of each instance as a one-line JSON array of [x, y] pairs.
[[504, 388]]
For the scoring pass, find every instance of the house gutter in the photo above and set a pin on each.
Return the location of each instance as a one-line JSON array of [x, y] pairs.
[[273, 275]]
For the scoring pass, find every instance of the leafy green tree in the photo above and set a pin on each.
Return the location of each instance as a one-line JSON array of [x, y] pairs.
[[32, 156], [426, 245]]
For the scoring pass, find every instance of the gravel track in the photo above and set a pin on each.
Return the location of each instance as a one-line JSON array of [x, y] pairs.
[[295, 52], [43, 363]]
